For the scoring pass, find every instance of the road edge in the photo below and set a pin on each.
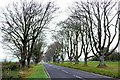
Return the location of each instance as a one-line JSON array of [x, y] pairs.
[[46, 72]]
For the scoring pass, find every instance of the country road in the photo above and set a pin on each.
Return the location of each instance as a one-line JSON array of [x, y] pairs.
[[63, 73]]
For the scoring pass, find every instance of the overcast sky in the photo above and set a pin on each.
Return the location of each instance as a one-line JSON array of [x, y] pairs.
[[63, 4]]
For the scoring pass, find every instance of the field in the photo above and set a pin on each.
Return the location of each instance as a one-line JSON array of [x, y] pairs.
[[111, 70]]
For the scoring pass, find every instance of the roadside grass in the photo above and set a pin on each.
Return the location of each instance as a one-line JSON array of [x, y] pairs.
[[35, 71], [11, 70], [111, 70]]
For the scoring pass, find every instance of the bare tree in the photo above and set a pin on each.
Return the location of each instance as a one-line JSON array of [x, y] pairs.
[[80, 24], [61, 37], [23, 23], [53, 51], [73, 32], [100, 21], [45, 17], [37, 51]]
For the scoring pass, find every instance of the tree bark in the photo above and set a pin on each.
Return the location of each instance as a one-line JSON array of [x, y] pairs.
[[28, 61], [76, 59], [85, 60], [23, 55], [102, 61], [22, 61]]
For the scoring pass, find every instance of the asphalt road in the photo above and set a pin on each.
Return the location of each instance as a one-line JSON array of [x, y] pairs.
[[63, 73]]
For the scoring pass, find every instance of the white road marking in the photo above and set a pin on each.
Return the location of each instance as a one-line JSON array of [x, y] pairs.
[[64, 71], [77, 76], [73, 75], [67, 72]]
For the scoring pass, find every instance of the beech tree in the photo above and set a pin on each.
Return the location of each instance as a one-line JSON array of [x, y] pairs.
[[70, 26], [103, 27], [59, 36], [37, 52], [53, 51], [74, 24], [22, 24], [81, 26]]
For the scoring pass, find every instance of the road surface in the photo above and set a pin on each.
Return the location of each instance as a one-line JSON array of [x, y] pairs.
[[63, 73]]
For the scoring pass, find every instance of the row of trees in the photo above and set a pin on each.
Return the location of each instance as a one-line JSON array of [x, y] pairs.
[[22, 25], [52, 52], [92, 27]]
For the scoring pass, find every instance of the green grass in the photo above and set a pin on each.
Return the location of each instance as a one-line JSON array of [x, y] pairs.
[[37, 71], [11, 70], [111, 69]]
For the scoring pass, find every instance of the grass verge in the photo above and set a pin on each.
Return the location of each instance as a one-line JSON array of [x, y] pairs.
[[111, 69], [35, 71]]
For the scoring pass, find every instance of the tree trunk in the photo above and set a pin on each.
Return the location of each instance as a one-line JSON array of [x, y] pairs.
[[102, 61], [77, 57], [23, 56], [62, 58], [85, 61], [76, 60], [30, 53], [28, 59], [70, 58], [28, 62], [22, 62]]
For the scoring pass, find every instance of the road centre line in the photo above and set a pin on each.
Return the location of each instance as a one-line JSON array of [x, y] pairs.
[[77, 76], [64, 71], [73, 75], [68, 72]]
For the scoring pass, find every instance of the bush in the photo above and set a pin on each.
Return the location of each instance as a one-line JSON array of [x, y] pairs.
[[10, 65], [9, 70]]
